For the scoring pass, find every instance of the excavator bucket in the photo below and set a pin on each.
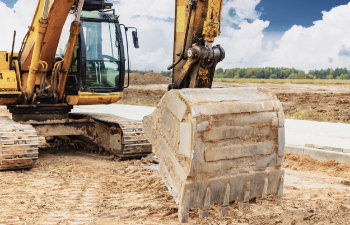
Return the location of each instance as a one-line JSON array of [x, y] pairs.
[[217, 146]]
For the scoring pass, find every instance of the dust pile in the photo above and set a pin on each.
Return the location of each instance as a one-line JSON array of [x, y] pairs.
[[300, 101], [306, 163], [333, 107], [142, 96], [148, 78], [71, 187], [145, 89]]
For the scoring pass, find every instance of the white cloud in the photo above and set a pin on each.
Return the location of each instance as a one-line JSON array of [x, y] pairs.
[[243, 46], [325, 44], [154, 21], [18, 18], [237, 11], [242, 34]]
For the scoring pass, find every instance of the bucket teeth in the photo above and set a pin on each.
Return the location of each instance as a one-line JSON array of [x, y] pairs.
[[206, 204], [217, 146]]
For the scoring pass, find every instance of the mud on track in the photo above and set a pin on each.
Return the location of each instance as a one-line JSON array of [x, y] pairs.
[[80, 188]]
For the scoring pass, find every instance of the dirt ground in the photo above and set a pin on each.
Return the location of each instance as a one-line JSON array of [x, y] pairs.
[[71, 187], [300, 101]]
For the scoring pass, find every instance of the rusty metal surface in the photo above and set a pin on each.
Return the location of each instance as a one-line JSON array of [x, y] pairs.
[[217, 146], [118, 136], [125, 136]]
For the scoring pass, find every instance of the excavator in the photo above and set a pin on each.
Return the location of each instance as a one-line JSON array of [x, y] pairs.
[[214, 145]]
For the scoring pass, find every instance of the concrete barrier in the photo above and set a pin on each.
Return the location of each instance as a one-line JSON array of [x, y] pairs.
[[321, 154]]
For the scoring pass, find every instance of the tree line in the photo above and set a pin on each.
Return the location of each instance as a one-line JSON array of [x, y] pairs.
[[164, 73], [272, 73], [282, 73]]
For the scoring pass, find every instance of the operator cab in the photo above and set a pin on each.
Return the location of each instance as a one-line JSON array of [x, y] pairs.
[[98, 63]]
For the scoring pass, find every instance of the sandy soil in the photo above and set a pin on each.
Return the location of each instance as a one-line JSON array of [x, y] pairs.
[[70, 187], [300, 101], [148, 78], [81, 188]]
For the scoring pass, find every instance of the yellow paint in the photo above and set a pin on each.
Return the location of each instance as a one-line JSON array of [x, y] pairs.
[[31, 34], [211, 27], [8, 80], [181, 19], [18, 75], [4, 60], [63, 74], [204, 26], [203, 76], [203, 72], [35, 62], [58, 13], [89, 98]]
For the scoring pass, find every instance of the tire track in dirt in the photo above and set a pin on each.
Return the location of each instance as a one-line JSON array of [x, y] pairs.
[[76, 188], [79, 188]]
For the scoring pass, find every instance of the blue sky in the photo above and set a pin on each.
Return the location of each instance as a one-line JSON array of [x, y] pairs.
[[283, 14], [304, 34], [9, 3]]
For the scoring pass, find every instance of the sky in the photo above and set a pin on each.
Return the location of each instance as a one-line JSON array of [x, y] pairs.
[[303, 34], [283, 14]]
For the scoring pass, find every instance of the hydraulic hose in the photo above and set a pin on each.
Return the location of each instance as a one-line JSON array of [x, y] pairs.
[[182, 55]]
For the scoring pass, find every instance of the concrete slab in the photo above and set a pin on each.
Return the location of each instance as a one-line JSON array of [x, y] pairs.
[[126, 111], [321, 140], [320, 134], [319, 154]]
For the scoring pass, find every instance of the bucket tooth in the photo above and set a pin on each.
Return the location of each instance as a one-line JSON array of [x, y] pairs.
[[204, 212], [230, 140], [184, 207], [280, 188], [266, 184], [225, 201]]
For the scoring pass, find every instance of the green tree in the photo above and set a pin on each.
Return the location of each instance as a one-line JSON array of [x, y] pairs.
[[300, 75], [292, 76], [273, 76]]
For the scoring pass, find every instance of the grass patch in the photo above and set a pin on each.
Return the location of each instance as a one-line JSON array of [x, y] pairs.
[[285, 81]]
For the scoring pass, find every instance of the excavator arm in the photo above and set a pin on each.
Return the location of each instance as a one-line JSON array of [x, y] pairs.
[[197, 24], [40, 46]]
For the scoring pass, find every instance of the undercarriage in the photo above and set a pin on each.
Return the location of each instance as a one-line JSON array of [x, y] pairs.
[[118, 136]]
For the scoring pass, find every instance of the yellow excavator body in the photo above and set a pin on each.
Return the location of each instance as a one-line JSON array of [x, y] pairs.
[[41, 84]]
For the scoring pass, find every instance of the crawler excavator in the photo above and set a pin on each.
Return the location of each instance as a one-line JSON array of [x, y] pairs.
[[51, 73], [214, 145]]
